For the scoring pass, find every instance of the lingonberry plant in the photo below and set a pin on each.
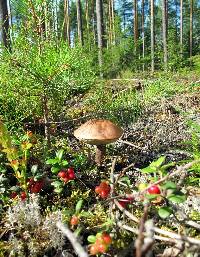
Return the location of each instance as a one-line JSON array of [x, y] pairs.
[[103, 189], [99, 243]]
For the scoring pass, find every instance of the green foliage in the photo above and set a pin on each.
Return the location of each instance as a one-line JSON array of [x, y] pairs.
[[30, 73]]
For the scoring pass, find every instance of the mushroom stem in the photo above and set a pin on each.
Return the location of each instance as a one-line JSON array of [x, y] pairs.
[[100, 153]]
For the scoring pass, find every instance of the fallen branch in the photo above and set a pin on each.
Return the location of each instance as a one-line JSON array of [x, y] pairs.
[[73, 240]]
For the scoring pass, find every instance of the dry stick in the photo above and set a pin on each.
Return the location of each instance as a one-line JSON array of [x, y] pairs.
[[123, 172], [158, 230], [176, 172], [112, 180], [73, 240], [140, 240], [135, 231]]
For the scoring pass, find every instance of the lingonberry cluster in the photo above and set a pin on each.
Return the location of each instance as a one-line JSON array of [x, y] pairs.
[[103, 241], [67, 174], [103, 189], [35, 186]]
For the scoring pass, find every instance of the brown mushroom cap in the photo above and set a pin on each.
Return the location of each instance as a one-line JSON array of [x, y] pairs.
[[98, 132]]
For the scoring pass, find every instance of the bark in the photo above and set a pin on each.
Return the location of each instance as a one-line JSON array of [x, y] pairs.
[[93, 21], [87, 22], [143, 35], [66, 22], [135, 23], [164, 25], [101, 43], [4, 24], [152, 36], [113, 20], [191, 28], [181, 27], [79, 22]]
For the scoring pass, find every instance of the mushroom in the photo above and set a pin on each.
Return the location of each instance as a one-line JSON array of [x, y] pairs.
[[99, 133]]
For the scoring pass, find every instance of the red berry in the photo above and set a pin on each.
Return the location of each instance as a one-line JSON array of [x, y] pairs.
[[123, 203], [13, 195], [154, 190], [70, 170], [66, 179], [74, 220], [23, 196], [104, 185], [37, 186], [62, 174], [106, 238], [94, 249], [98, 189], [104, 193], [71, 176], [102, 248]]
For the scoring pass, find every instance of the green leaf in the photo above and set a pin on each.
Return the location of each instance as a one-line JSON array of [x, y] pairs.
[[126, 179], [151, 196], [85, 214], [169, 185], [59, 154], [79, 206], [34, 169], [148, 169], [57, 184], [91, 239], [164, 212], [158, 162], [55, 170], [177, 198], [52, 161], [58, 190], [65, 163]]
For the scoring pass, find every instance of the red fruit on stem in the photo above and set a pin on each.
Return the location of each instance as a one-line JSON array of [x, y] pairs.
[[106, 238], [13, 195], [104, 193], [154, 190], [123, 203], [23, 196], [70, 170], [98, 189], [71, 176], [65, 179], [62, 174], [94, 249], [104, 185], [74, 220], [102, 248]]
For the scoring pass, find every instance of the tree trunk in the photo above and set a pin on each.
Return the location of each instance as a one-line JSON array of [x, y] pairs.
[[181, 28], [79, 22], [152, 36], [99, 14], [93, 21], [113, 20], [191, 28], [143, 35], [87, 22], [66, 22], [164, 33], [4, 23], [135, 24]]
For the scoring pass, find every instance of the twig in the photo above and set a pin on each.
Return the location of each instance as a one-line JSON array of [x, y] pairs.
[[160, 231], [112, 180], [124, 171], [140, 239], [73, 240]]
